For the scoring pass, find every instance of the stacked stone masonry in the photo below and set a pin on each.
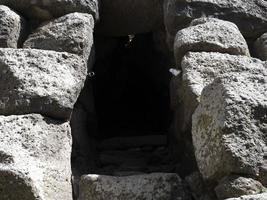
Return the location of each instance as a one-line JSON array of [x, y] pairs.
[[216, 145], [40, 83]]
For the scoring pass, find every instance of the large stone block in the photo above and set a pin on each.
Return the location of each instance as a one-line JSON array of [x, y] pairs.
[[37, 81], [48, 9], [34, 158], [209, 35], [236, 186], [72, 33], [156, 186], [125, 17], [262, 196], [196, 185], [263, 172], [260, 47], [199, 70], [249, 15], [12, 28], [229, 126]]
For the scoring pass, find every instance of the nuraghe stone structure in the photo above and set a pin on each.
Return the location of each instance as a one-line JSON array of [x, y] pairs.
[[133, 100]]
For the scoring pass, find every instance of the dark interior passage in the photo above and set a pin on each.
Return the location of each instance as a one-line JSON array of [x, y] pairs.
[[132, 109], [131, 87]]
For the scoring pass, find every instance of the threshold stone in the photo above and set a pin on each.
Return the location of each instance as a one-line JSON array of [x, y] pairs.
[[155, 186]]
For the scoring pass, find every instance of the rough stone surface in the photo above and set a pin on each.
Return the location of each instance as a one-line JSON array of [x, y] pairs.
[[260, 47], [212, 35], [84, 147], [196, 184], [48, 9], [262, 196], [156, 186], [229, 126], [12, 28], [83, 128], [199, 70], [80, 131], [121, 127], [37, 81], [249, 15], [34, 158], [83, 143], [72, 33], [236, 186], [263, 173], [198, 189], [125, 17]]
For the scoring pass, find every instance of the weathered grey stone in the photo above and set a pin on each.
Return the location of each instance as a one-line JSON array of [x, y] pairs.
[[229, 125], [86, 98], [12, 28], [198, 188], [72, 33], [34, 158], [83, 143], [196, 184], [48, 9], [199, 70], [83, 150], [249, 15], [263, 174], [83, 128], [80, 130], [156, 186], [262, 196], [260, 47], [125, 17], [236, 186], [203, 20], [37, 81], [210, 35]]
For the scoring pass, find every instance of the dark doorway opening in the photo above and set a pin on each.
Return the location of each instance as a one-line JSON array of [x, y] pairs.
[[131, 87], [131, 95]]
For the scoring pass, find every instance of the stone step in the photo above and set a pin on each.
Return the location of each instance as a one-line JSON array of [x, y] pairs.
[[119, 157], [133, 142], [127, 173], [155, 186], [116, 157], [130, 169]]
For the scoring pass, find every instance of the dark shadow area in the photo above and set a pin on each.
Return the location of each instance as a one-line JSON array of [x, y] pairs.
[[121, 121], [131, 87]]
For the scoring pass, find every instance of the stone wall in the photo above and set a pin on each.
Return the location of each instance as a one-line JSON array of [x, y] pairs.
[[126, 100]]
